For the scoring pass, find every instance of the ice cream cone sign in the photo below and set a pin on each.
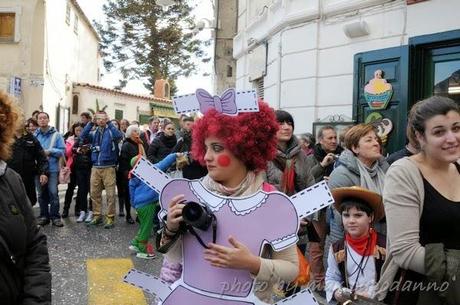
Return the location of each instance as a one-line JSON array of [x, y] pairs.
[[378, 92]]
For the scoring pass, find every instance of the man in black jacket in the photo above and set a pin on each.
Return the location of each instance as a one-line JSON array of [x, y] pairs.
[[24, 262], [29, 161], [193, 170], [325, 153], [322, 164]]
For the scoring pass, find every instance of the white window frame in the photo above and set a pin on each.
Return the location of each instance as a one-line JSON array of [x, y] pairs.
[[17, 11]]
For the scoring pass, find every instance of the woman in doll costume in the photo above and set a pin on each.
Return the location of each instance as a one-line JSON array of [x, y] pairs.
[[354, 262], [241, 254]]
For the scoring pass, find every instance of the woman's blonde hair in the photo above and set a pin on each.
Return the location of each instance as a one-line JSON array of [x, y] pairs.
[[355, 133], [10, 120]]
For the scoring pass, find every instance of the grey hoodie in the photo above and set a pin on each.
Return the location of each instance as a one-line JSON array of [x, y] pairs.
[[346, 172]]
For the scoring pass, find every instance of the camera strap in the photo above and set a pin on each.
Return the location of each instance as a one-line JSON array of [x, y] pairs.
[[164, 248], [214, 232]]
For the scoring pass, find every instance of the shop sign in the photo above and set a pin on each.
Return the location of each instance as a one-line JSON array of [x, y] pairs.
[[383, 125], [378, 92]]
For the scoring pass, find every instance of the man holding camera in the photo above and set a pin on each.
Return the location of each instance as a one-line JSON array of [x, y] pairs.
[[325, 153], [104, 146], [321, 164]]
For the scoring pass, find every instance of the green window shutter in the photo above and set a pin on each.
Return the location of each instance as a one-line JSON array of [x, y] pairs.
[[118, 114]]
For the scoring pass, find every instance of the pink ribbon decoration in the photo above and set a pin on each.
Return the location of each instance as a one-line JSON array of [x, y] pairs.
[[224, 104]]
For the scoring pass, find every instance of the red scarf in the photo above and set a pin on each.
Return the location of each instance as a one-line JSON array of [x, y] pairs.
[[362, 245], [287, 180]]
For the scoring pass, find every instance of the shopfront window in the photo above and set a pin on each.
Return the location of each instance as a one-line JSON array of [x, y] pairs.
[[447, 79], [441, 72]]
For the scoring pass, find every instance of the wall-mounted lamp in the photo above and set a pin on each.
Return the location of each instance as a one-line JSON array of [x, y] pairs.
[[356, 29], [203, 23]]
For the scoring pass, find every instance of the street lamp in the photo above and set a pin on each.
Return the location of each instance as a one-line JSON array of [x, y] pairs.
[[165, 3]]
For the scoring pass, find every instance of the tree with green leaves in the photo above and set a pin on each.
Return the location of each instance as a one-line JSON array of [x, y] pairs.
[[144, 41]]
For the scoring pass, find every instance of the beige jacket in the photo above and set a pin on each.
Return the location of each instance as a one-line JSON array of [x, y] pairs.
[[403, 197], [275, 267]]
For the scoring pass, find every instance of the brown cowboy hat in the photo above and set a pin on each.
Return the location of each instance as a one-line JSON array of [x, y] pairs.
[[373, 199]]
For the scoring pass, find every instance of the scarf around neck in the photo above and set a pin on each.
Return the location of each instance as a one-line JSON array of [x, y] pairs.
[[363, 246], [285, 161], [140, 145], [371, 178], [250, 185], [168, 141]]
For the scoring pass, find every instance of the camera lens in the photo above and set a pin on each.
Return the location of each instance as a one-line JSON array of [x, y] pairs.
[[197, 215], [192, 211]]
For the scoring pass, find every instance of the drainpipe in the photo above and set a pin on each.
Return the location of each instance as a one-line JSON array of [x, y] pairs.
[[318, 33], [280, 57], [315, 104]]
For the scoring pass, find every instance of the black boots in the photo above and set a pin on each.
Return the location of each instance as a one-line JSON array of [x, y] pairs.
[[121, 207]]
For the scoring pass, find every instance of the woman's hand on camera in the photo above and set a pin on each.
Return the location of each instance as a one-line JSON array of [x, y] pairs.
[[175, 213], [238, 257]]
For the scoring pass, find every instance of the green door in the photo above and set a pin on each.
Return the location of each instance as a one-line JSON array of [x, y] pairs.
[[393, 62]]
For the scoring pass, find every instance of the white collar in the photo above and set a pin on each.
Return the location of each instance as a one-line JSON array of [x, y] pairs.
[[239, 205]]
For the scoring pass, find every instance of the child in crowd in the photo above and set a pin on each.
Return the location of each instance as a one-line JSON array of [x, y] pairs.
[[354, 262], [144, 199]]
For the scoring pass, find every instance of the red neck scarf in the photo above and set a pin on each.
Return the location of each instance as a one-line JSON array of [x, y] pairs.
[[362, 245], [288, 178]]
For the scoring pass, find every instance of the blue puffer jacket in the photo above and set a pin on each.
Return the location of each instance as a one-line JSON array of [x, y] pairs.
[[140, 193], [56, 151], [104, 144]]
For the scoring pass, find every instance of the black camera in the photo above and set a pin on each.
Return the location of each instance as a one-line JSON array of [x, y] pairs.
[[197, 215]]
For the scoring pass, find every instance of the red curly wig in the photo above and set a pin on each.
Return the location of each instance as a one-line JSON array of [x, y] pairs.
[[250, 136], [10, 118]]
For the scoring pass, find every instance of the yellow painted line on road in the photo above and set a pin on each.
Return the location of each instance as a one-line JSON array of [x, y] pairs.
[[106, 286]]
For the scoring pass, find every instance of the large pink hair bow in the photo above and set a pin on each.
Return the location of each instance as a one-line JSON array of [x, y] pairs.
[[224, 104]]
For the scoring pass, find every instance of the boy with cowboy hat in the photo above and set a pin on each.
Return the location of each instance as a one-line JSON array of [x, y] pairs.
[[354, 262]]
